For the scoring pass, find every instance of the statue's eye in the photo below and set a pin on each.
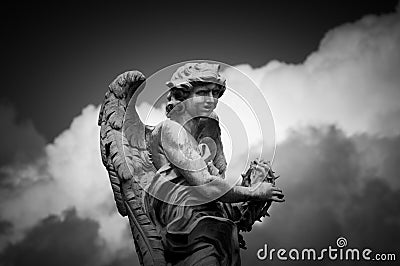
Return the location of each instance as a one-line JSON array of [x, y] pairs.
[[202, 93], [215, 93]]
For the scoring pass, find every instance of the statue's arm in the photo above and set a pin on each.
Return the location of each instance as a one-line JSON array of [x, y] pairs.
[[180, 149]]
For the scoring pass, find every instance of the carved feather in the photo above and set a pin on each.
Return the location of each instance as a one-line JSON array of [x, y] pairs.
[[124, 153]]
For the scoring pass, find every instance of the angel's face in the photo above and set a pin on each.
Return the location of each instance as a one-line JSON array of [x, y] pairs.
[[203, 100]]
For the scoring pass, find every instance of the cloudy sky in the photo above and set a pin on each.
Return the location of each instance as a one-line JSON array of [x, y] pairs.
[[330, 74]]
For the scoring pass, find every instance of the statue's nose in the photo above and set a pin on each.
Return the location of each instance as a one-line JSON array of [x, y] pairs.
[[210, 98]]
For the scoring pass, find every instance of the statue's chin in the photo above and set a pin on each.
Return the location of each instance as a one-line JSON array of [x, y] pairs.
[[205, 114]]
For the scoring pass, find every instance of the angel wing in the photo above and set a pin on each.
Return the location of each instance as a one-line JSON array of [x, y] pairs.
[[124, 153]]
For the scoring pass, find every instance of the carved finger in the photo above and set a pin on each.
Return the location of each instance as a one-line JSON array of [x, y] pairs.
[[276, 199], [278, 194]]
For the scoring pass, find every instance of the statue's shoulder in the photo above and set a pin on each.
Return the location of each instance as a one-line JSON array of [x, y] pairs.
[[167, 126], [170, 129], [167, 132], [171, 135]]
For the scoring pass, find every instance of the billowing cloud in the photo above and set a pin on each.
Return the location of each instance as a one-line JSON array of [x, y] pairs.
[[340, 176], [69, 174], [60, 240], [5, 227], [352, 80], [329, 194], [21, 144], [20, 140]]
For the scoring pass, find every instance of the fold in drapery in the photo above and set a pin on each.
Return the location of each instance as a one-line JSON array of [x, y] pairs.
[[192, 234]]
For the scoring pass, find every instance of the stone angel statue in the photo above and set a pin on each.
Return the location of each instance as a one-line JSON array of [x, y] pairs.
[[170, 179]]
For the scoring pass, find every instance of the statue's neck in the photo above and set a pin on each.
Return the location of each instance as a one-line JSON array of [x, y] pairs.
[[188, 122]]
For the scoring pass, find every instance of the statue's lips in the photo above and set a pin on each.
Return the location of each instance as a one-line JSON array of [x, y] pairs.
[[208, 108]]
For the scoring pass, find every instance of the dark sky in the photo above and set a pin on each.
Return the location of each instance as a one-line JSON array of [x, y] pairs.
[[59, 57]]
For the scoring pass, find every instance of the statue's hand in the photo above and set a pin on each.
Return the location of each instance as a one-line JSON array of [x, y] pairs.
[[260, 172], [267, 191], [212, 169], [260, 179]]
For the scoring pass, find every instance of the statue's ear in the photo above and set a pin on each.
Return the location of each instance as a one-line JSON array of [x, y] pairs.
[[208, 149], [209, 127]]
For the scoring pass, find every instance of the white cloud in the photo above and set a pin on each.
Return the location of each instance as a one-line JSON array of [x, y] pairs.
[[78, 179], [70, 174], [353, 80], [150, 115], [20, 140]]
